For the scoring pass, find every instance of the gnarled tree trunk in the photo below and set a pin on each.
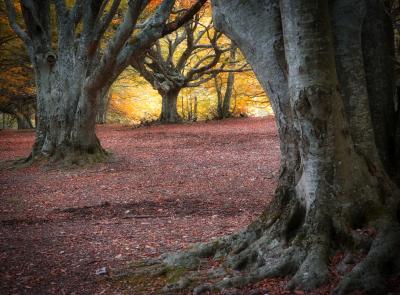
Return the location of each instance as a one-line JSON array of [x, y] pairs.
[[333, 186], [71, 75], [169, 111], [66, 110]]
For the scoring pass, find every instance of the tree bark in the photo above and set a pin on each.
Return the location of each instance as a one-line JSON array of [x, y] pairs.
[[102, 108], [332, 186], [195, 106], [71, 71], [378, 50], [224, 101], [169, 111], [23, 121], [66, 111], [263, 48]]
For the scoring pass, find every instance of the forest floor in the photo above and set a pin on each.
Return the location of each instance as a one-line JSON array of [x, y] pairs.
[[166, 187]]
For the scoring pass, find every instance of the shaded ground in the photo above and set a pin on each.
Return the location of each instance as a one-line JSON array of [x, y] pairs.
[[166, 187]]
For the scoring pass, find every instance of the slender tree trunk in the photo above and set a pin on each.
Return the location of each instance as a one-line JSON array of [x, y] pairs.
[[102, 109], [23, 121], [218, 89], [169, 112], [224, 100], [226, 105], [195, 108]]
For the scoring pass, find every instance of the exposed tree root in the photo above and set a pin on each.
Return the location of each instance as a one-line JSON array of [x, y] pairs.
[[287, 246], [66, 157], [170, 118], [369, 274]]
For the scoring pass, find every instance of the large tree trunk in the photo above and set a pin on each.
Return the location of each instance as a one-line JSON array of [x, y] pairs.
[[66, 111], [333, 186], [169, 111], [378, 49]]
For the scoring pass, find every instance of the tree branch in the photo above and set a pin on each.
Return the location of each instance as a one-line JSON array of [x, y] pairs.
[[176, 24], [76, 12], [116, 44], [102, 24], [11, 14]]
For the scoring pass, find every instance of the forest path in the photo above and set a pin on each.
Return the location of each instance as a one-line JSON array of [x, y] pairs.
[[167, 186]]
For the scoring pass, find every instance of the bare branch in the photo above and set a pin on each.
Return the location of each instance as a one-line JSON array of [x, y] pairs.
[[200, 81], [102, 24], [61, 9], [76, 12], [176, 24], [30, 6], [14, 25], [116, 44]]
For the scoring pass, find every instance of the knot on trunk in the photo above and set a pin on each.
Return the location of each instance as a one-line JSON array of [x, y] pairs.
[[165, 84], [51, 58]]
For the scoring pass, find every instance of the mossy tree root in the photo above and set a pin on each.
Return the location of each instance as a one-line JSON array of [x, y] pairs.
[[66, 156], [290, 245]]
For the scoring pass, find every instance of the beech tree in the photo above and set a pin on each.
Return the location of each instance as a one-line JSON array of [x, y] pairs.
[[17, 95], [75, 64], [224, 97], [21, 109], [336, 189], [169, 70], [102, 106]]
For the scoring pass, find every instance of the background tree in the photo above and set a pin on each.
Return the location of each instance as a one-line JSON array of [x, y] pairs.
[[73, 64], [171, 66], [102, 106], [17, 94], [224, 98]]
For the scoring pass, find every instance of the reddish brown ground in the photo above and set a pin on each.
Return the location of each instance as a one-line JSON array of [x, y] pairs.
[[187, 183], [165, 188]]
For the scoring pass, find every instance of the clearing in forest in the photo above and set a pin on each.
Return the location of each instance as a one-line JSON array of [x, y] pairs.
[[166, 187]]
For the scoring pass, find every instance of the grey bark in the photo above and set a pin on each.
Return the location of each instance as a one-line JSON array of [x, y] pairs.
[[20, 108], [23, 121], [70, 78], [262, 45], [347, 22], [378, 50], [169, 112], [328, 161], [172, 72], [102, 107], [332, 183], [224, 99]]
